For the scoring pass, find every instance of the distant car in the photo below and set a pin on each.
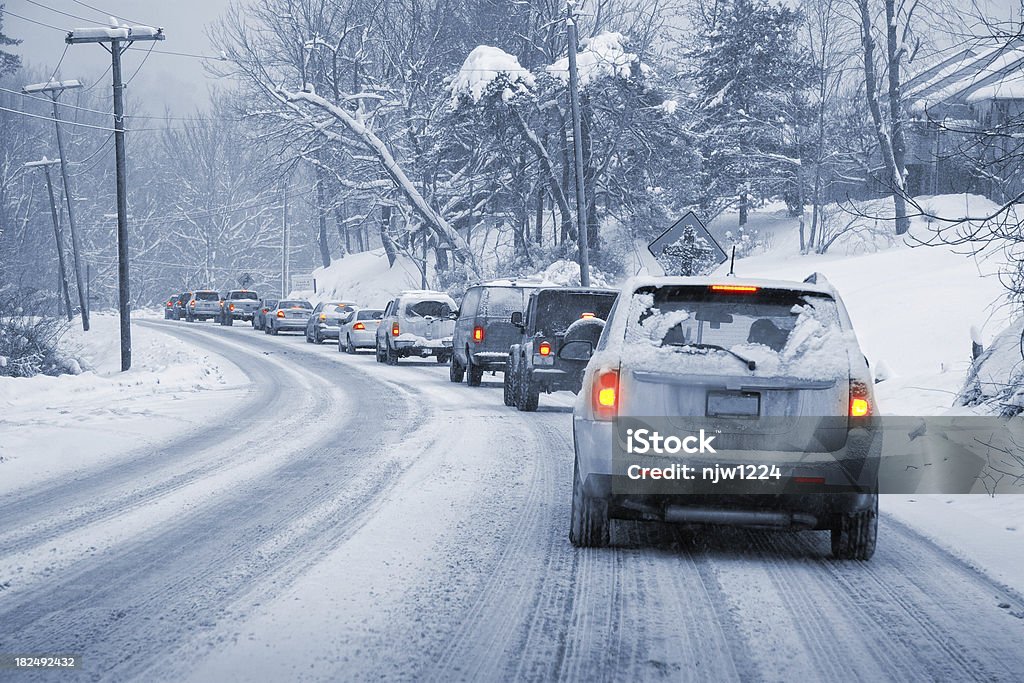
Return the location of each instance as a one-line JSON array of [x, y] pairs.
[[178, 310], [417, 323], [289, 315], [323, 322], [204, 305], [259, 316], [484, 331], [169, 312], [775, 371], [359, 329], [553, 316], [238, 304]]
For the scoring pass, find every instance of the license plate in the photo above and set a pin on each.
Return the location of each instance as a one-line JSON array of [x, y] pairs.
[[733, 404]]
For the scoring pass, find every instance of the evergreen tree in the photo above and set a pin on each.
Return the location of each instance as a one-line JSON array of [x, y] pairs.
[[8, 62]]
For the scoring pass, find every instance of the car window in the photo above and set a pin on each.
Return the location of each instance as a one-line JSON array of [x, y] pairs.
[[471, 301], [502, 302], [369, 314], [207, 296], [243, 295], [295, 304], [556, 310], [427, 307]]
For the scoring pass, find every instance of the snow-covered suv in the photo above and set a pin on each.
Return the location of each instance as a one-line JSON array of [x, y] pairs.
[[417, 323], [484, 331], [774, 372]]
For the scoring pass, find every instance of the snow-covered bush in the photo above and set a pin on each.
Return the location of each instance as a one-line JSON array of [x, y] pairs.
[[995, 381], [29, 336], [746, 243]]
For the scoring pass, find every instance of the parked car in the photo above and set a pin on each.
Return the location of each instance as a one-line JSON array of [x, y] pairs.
[[484, 331], [323, 322], [169, 313], [178, 310], [359, 329], [767, 355], [553, 316], [288, 315], [203, 305], [417, 323], [259, 316], [238, 304]]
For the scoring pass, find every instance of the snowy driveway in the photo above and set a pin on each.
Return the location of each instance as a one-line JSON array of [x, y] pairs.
[[373, 522]]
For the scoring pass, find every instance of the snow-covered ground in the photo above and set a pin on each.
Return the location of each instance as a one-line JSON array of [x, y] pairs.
[[56, 426]]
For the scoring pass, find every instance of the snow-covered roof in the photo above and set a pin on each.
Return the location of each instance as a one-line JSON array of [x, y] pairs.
[[635, 283], [604, 56], [486, 65], [969, 77]]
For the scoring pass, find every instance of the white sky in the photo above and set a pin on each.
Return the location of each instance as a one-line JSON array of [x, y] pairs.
[[179, 83]]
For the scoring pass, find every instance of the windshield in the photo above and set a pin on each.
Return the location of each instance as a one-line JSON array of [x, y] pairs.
[[502, 302], [557, 310], [774, 331], [426, 307], [243, 295], [369, 314], [207, 296], [295, 304]]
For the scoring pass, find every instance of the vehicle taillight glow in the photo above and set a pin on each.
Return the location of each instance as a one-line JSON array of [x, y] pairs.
[[605, 394], [266, 310], [192, 304], [478, 334], [231, 307], [544, 349], [280, 314], [394, 329], [584, 316], [735, 289], [359, 326], [860, 406], [323, 316]]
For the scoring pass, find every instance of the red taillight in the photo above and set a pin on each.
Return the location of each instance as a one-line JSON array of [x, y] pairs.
[[860, 406], [544, 349], [735, 289], [221, 304], [478, 334], [394, 329], [231, 307], [359, 326], [266, 310], [192, 304], [605, 394], [280, 314]]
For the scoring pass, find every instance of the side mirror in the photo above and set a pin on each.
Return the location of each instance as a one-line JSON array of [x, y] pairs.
[[454, 315], [579, 349], [517, 318]]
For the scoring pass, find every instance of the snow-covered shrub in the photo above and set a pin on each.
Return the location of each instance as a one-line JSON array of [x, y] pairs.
[[746, 243], [996, 379], [29, 336]]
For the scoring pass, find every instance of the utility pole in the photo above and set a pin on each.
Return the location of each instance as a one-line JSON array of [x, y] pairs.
[[577, 143], [284, 243], [120, 39], [45, 164], [54, 90]]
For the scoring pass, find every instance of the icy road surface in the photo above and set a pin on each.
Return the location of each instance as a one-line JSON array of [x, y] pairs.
[[353, 521]]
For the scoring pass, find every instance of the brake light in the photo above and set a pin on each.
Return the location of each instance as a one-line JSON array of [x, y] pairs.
[[394, 329], [478, 334], [860, 406], [266, 310], [605, 394], [544, 349], [221, 303], [231, 307], [735, 289], [280, 314], [323, 316], [192, 304], [359, 326], [584, 316]]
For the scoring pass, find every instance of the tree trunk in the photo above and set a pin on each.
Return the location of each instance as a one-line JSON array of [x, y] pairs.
[[385, 235], [899, 141], [321, 215]]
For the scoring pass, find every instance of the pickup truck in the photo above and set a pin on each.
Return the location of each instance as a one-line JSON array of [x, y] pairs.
[[238, 304], [554, 315]]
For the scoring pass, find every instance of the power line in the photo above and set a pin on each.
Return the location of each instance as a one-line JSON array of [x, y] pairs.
[[33, 21], [139, 67], [84, 125], [66, 14], [103, 12]]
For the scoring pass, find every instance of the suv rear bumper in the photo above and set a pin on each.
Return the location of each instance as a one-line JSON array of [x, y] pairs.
[[409, 347], [489, 360]]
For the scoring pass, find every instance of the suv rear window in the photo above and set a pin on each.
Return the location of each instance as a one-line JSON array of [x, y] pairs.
[[207, 296], [425, 307], [502, 302], [557, 310], [243, 295]]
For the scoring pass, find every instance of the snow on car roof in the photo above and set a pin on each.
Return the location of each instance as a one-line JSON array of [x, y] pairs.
[[423, 294], [821, 286]]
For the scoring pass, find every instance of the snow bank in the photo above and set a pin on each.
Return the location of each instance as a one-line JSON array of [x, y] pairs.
[[996, 379], [366, 278], [487, 69], [566, 273]]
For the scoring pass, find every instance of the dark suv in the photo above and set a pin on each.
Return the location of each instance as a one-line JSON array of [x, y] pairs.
[[553, 317], [484, 331], [178, 309]]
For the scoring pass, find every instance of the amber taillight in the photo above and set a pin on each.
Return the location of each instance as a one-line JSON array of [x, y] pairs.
[[605, 394]]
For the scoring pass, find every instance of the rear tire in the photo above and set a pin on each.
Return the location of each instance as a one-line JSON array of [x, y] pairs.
[[455, 371], [229, 321], [529, 393], [442, 358], [391, 356], [317, 337], [474, 373], [508, 386], [350, 347], [378, 353], [273, 331], [854, 536], [589, 526]]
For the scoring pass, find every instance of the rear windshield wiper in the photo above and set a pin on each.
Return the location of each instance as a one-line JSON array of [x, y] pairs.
[[751, 365]]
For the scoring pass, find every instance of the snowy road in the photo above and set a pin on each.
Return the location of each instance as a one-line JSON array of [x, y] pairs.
[[349, 521]]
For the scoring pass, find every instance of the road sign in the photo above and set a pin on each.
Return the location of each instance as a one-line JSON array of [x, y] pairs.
[[679, 229], [302, 283]]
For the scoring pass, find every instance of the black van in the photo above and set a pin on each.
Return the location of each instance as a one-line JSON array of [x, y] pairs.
[[484, 331]]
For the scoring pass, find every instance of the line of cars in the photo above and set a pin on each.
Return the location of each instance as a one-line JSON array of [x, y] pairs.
[[771, 367]]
